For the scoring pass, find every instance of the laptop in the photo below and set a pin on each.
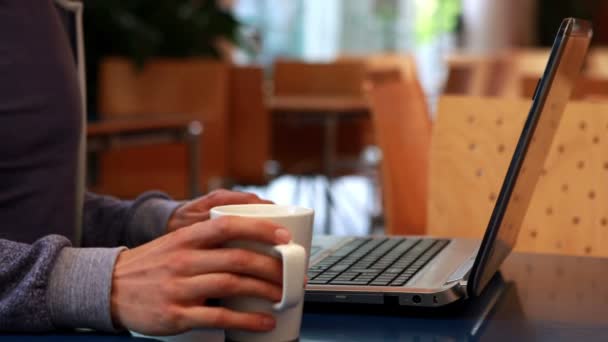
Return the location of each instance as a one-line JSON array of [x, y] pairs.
[[428, 272]]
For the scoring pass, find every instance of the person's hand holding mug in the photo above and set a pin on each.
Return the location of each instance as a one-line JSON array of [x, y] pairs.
[[161, 288], [294, 257], [198, 210]]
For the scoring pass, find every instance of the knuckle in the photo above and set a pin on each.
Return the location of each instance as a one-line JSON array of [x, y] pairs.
[[251, 197], [218, 193], [172, 316], [275, 292], [230, 283], [240, 259], [167, 289], [212, 196], [224, 225], [182, 235], [177, 263], [218, 318]]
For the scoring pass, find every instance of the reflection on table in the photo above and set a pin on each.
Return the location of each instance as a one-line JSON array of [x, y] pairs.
[[542, 298], [539, 297]]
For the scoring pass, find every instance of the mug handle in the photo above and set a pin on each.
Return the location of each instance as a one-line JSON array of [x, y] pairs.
[[294, 269]]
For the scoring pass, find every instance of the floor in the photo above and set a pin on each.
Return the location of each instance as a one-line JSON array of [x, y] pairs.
[[354, 198]]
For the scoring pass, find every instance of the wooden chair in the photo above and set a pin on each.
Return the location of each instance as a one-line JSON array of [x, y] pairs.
[[586, 88], [249, 127], [473, 141], [193, 89], [403, 131], [522, 62], [404, 63], [343, 78], [530, 60], [476, 75], [597, 63], [496, 74], [297, 78]]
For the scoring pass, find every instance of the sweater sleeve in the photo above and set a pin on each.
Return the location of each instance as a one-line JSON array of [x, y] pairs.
[[49, 285], [109, 222]]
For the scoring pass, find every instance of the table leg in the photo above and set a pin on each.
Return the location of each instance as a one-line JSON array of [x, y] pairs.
[[329, 145], [193, 136], [329, 160]]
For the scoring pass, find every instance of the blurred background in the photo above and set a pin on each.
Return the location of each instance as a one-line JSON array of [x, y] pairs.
[[276, 96]]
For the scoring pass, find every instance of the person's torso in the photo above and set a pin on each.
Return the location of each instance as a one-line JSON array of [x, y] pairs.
[[40, 123]]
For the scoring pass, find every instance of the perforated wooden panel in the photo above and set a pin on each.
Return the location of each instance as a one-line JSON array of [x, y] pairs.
[[473, 142]]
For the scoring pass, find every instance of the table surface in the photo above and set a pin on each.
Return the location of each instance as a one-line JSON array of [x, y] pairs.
[[129, 125], [327, 105], [540, 298]]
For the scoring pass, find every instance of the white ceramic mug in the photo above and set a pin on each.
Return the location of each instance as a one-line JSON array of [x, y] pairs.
[[294, 255]]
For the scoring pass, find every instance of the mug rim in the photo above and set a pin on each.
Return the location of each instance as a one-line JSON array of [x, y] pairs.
[[298, 211]]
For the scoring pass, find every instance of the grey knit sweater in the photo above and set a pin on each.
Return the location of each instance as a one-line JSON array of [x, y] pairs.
[[54, 272]]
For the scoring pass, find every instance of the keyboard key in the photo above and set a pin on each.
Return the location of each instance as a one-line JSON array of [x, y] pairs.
[[351, 282], [394, 270], [378, 261], [365, 270], [386, 277], [339, 268], [322, 279], [379, 282], [398, 282]]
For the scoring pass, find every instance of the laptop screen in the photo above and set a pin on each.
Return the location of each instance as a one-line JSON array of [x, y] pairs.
[[552, 95]]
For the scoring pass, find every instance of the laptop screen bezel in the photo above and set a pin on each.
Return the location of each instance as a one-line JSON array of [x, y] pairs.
[[480, 275]]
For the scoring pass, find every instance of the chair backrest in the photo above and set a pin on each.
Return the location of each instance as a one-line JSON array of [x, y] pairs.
[[476, 75], [586, 88], [336, 79], [201, 92], [404, 63], [523, 62], [495, 74], [249, 126], [530, 60], [342, 78], [597, 63], [473, 141], [402, 126], [192, 88]]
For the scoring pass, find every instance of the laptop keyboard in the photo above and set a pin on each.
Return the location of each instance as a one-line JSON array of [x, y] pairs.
[[375, 262]]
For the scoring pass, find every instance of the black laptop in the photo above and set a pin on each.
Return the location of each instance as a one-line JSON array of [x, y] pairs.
[[428, 272]]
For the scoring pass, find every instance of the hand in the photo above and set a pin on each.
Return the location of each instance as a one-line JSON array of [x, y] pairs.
[[160, 288], [198, 209]]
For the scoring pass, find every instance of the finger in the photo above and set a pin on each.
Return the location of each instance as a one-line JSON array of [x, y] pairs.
[[198, 210], [238, 261], [226, 197], [222, 318], [224, 285], [217, 232]]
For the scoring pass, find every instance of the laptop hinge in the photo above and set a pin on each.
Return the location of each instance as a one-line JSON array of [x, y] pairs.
[[462, 272]]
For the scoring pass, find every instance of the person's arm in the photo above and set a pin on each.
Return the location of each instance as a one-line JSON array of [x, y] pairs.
[[110, 222], [157, 288], [49, 285]]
